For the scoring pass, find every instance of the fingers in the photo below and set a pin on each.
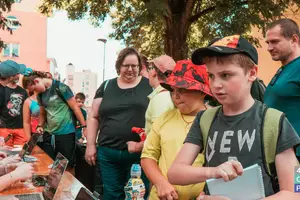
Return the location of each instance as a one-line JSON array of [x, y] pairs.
[[238, 167], [174, 195], [230, 170]]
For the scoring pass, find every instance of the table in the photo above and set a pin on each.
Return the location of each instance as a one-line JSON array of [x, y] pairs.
[[68, 187]]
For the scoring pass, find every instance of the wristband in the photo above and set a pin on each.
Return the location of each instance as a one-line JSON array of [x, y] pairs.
[[83, 126], [39, 126]]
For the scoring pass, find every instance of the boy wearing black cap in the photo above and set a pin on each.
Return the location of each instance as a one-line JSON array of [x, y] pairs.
[[235, 136]]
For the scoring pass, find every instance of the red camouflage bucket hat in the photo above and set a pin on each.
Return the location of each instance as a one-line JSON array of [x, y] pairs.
[[188, 76]]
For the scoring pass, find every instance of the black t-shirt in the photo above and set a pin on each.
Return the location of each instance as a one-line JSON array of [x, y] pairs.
[[120, 110], [238, 138], [11, 106]]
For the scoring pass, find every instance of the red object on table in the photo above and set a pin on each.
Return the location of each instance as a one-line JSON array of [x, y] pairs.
[[140, 132]]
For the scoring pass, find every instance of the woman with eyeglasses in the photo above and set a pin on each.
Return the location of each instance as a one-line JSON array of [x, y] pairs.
[[119, 105]]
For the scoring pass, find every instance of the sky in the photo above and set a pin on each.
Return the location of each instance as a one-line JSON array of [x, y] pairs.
[[76, 42]]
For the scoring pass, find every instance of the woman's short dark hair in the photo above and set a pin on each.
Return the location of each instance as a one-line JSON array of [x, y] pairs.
[[122, 55]]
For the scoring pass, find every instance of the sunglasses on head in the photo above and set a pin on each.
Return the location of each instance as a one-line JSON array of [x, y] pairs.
[[276, 76]]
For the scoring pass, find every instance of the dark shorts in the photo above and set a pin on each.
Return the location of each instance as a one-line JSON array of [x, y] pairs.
[[65, 144]]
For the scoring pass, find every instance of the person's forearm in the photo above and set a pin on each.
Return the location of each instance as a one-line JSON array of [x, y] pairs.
[[79, 116], [2, 170], [92, 129], [27, 130], [6, 180], [283, 194], [152, 171], [180, 174]]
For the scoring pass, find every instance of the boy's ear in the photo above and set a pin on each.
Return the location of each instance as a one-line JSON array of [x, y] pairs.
[[253, 73], [35, 81]]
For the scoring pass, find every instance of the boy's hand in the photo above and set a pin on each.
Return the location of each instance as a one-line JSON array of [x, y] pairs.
[[202, 196], [228, 170], [40, 130], [166, 191]]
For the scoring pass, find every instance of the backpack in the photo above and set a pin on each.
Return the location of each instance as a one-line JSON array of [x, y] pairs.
[[272, 121], [61, 96], [258, 89]]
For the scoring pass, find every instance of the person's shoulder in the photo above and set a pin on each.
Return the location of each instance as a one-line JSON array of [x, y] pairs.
[[165, 117]]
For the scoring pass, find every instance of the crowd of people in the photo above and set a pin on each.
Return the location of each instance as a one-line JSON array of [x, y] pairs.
[[204, 117]]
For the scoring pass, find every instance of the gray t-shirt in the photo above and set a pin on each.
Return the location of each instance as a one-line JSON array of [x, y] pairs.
[[238, 137]]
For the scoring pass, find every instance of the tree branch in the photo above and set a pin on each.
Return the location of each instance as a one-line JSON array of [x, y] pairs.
[[196, 16]]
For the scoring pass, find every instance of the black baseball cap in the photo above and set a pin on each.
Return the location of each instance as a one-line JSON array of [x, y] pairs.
[[227, 45]]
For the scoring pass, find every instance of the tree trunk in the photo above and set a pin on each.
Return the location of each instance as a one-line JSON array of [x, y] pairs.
[[177, 26], [175, 41]]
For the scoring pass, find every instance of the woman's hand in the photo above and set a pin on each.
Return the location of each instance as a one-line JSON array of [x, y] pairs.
[[133, 147], [90, 154], [23, 172]]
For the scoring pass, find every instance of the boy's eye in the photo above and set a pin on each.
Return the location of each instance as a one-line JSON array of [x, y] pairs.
[[210, 75], [225, 75]]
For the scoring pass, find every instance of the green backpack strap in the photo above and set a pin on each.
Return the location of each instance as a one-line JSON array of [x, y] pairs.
[[105, 84], [271, 129], [206, 122]]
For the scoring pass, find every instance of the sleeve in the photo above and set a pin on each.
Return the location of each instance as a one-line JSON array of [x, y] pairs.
[[194, 135], [100, 91], [160, 104], [84, 113], [152, 148], [288, 137], [66, 91]]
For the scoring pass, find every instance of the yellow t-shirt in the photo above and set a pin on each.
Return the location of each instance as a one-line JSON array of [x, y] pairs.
[[160, 102], [162, 145]]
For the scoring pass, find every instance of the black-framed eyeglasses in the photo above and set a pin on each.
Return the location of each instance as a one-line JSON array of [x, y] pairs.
[[130, 65], [276, 76]]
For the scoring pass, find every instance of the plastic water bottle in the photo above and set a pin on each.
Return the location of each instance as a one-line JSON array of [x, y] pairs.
[[135, 188]]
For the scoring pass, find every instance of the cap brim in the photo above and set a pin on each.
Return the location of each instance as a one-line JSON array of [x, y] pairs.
[[22, 68], [197, 56]]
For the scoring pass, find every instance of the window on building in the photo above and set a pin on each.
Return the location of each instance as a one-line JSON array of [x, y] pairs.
[[87, 89], [12, 22], [11, 50], [18, 1], [86, 102], [87, 83]]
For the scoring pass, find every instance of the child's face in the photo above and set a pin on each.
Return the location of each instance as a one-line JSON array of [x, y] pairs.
[[229, 83], [79, 102]]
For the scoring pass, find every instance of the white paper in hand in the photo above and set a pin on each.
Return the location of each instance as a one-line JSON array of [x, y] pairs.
[[249, 186]]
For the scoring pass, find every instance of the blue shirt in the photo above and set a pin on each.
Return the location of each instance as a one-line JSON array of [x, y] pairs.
[[283, 93], [78, 131]]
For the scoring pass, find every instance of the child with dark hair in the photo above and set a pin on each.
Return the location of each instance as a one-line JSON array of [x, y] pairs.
[[57, 108], [80, 99]]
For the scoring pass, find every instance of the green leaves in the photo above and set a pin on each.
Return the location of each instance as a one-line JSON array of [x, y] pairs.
[[152, 25]]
